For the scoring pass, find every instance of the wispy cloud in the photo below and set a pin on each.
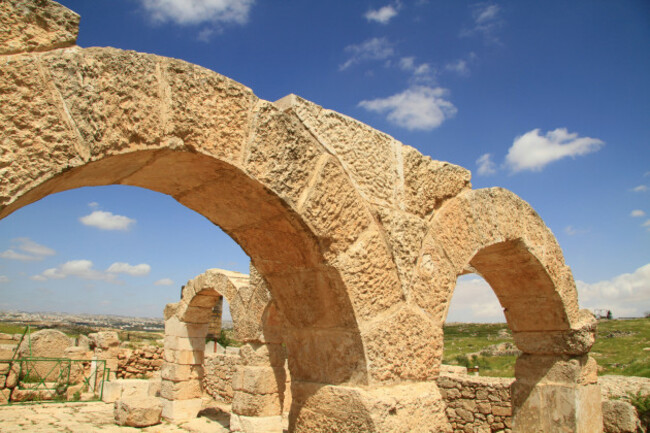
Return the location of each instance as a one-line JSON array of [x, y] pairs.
[[28, 250], [637, 213], [420, 72], [4, 279], [533, 151], [486, 22], [572, 231], [485, 165], [371, 49], [416, 108], [646, 224], [194, 12], [384, 14], [640, 188], [625, 294], [85, 270], [164, 282], [124, 268], [107, 221]]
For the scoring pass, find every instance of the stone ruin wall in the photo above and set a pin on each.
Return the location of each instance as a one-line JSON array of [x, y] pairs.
[[139, 363]]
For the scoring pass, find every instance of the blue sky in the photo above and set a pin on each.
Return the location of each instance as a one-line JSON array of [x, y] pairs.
[[548, 99]]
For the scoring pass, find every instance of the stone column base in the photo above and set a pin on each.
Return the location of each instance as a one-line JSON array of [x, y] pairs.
[[255, 424], [177, 411], [404, 408], [555, 393]]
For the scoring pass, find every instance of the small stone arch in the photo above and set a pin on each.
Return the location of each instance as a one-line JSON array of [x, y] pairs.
[[259, 384], [497, 235]]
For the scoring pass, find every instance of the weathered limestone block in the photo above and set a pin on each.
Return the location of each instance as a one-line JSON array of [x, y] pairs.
[[104, 340], [570, 342], [184, 357], [178, 411], [620, 416], [247, 404], [138, 412], [125, 389], [268, 162], [36, 26], [413, 407], [176, 328], [372, 161], [428, 183], [326, 356], [184, 343], [259, 380], [334, 208], [180, 372], [404, 345], [255, 424], [370, 274], [181, 390], [263, 355], [556, 392]]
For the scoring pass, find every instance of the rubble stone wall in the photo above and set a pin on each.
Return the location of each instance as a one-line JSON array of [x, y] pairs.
[[139, 363], [477, 404], [219, 370]]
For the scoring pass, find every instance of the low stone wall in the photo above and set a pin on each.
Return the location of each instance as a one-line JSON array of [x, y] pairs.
[[139, 363], [477, 404], [219, 369]]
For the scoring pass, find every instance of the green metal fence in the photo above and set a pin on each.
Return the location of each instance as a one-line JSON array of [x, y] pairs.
[[41, 380]]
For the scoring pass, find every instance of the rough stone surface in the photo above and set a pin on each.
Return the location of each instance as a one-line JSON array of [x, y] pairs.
[[620, 417], [138, 412], [36, 26]]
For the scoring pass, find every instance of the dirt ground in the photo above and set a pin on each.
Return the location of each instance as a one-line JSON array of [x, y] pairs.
[[96, 417]]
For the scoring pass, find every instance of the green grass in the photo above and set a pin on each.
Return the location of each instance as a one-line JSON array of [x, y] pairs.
[[12, 328], [465, 338], [618, 348]]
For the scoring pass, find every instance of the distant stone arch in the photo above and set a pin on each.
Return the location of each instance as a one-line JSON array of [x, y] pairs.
[[259, 385], [495, 234]]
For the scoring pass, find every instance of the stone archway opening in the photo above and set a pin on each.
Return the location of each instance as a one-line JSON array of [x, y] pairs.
[[495, 234]]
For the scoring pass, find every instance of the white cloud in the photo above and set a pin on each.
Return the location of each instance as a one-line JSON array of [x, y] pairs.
[[637, 213], [85, 270], [640, 188], [571, 231], [647, 173], [382, 15], [421, 73], [93, 205], [416, 108], [371, 49], [31, 251], [487, 21], [194, 12], [485, 165], [164, 282], [125, 268], [107, 221], [646, 224], [532, 151], [474, 301], [459, 66], [74, 268], [625, 295], [4, 279]]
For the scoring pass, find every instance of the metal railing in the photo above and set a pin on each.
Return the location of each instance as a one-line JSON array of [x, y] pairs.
[[41, 380]]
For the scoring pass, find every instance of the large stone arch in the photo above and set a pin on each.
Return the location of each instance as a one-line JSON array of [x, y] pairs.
[[353, 231], [497, 235]]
